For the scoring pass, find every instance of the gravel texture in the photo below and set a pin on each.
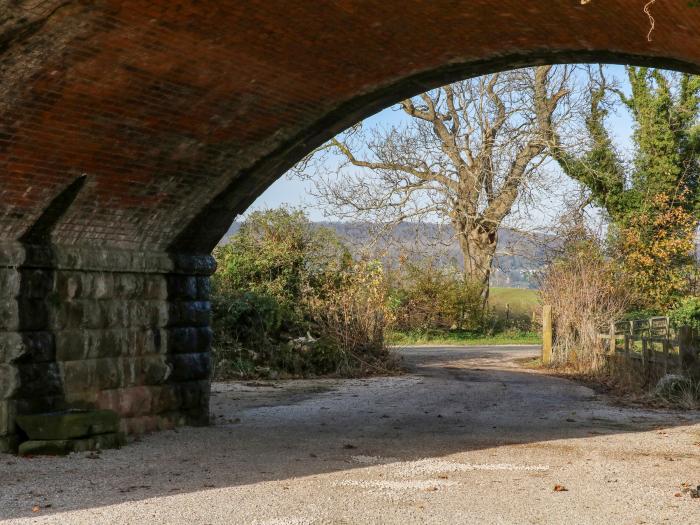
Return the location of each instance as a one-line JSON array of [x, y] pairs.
[[466, 437]]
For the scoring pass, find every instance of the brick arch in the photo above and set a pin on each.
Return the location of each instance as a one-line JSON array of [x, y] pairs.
[[180, 113], [133, 132], [205, 230]]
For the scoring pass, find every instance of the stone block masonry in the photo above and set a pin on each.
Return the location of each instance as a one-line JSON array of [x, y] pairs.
[[104, 329]]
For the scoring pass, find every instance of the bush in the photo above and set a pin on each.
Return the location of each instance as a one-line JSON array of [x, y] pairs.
[[246, 326], [687, 313], [352, 314], [288, 298], [426, 297], [279, 254], [586, 291], [679, 391], [656, 245]]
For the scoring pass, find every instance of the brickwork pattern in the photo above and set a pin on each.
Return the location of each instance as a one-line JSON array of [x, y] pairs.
[[167, 104]]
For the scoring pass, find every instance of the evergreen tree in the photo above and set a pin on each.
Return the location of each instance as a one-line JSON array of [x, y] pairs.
[[662, 181]]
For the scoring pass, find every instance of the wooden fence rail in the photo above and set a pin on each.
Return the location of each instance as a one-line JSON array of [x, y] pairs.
[[652, 341]]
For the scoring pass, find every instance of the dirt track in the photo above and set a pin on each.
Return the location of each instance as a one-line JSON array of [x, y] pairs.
[[466, 437]]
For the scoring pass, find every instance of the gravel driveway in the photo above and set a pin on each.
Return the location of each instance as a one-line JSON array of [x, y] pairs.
[[466, 437]]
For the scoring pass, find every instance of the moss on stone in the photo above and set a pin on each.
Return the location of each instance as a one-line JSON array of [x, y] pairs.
[[69, 424], [62, 447]]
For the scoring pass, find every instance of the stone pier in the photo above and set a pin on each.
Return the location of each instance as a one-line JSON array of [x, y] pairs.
[[107, 329]]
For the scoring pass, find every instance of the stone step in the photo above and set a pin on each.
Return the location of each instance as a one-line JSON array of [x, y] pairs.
[[62, 447], [69, 424]]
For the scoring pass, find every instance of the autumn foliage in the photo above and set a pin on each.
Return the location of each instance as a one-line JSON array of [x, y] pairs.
[[656, 245]]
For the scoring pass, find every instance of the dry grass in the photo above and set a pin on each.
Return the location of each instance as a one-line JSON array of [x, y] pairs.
[[630, 383]]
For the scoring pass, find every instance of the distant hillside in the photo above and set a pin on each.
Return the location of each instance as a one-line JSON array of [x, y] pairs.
[[520, 255]]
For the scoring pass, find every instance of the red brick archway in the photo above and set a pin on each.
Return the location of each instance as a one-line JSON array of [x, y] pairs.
[[133, 132], [167, 105]]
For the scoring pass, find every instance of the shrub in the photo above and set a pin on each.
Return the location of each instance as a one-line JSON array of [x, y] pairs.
[[687, 313], [288, 298], [352, 314], [246, 325], [679, 391], [656, 245], [586, 291], [427, 297], [278, 254]]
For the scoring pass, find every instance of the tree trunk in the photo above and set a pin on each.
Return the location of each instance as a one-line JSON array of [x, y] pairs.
[[478, 244]]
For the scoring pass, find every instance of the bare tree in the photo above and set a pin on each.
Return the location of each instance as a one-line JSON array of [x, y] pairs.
[[465, 154]]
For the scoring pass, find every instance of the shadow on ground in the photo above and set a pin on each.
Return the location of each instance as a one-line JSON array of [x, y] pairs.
[[451, 400]]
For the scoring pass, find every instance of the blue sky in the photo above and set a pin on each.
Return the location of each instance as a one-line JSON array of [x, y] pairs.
[[294, 192]]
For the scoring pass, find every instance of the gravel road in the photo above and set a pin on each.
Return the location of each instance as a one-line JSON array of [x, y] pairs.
[[467, 436]]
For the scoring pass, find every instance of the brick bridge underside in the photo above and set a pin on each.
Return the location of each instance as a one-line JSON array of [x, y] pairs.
[[134, 131]]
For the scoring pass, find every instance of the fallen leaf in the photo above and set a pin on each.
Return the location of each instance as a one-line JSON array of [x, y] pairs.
[[560, 488], [36, 508]]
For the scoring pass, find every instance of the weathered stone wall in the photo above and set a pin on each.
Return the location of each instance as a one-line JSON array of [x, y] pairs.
[[104, 329]]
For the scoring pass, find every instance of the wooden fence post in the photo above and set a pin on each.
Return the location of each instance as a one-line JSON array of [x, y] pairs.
[[628, 338], [613, 342], [547, 334], [685, 347]]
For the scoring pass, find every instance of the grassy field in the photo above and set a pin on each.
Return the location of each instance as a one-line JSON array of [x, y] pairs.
[[458, 338], [522, 304]]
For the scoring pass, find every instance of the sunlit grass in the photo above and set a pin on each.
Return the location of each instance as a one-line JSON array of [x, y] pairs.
[[461, 338]]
